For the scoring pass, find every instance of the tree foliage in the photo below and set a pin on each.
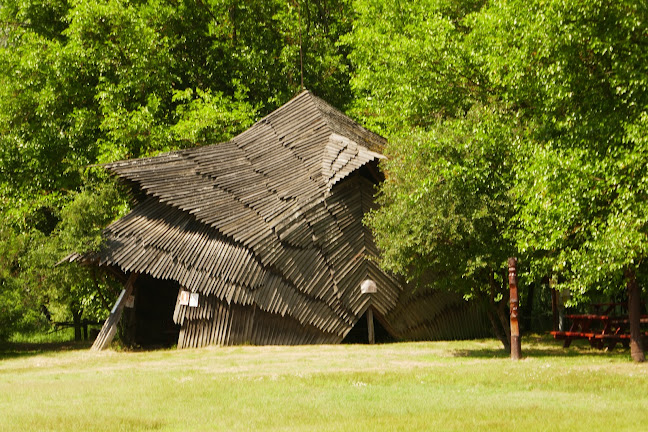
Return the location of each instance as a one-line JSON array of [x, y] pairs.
[[447, 201], [577, 73], [445, 208], [410, 63]]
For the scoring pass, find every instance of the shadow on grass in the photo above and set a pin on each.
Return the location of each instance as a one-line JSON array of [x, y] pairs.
[[540, 346], [532, 346], [26, 349]]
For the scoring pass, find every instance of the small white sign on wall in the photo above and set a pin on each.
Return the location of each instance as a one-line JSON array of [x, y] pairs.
[[193, 300], [130, 302], [184, 298]]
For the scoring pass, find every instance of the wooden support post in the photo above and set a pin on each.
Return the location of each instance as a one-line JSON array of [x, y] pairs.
[[109, 328], [370, 326], [516, 345]]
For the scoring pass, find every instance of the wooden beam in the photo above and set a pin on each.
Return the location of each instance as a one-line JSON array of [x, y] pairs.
[[370, 326], [107, 333]]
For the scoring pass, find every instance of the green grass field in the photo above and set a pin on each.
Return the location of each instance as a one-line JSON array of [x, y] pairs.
[[435, 386]]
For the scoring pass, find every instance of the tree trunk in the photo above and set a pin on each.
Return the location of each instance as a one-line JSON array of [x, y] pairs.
[[492, 313], [501, 308], [634, 311], [555, 319], [527, 309], [497, 328], [232, 14], [504, 317]]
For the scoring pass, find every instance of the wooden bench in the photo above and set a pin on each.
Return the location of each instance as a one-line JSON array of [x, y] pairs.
[[568, 336], [609, 341]]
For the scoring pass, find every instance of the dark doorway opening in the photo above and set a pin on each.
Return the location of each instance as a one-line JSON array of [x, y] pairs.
[[155, 301], [359, 334]]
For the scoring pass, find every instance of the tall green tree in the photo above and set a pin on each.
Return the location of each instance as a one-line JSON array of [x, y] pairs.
[[578, 73], [446, 209]]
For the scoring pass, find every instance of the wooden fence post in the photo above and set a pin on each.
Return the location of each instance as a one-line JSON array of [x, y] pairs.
[[516, 344]]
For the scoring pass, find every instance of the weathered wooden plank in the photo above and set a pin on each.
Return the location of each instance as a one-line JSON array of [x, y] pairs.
[[107, 333]]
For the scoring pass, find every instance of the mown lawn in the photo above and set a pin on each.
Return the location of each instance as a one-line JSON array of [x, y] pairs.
[[436, 386]]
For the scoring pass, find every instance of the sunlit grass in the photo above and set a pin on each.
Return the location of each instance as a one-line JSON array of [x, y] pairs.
[[65, 334], [441, 386]]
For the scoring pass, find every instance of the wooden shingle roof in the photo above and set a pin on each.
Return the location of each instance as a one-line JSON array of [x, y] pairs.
[[271, 219], [255, 187]]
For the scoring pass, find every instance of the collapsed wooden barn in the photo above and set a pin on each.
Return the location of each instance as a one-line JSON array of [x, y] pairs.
[[260, 240]]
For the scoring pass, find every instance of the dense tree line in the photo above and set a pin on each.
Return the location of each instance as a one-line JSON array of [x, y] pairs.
[[515, 128]]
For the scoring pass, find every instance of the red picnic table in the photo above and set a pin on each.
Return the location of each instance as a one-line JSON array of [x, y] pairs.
[[601, 331]]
